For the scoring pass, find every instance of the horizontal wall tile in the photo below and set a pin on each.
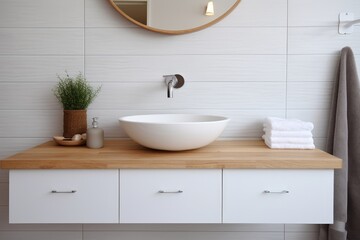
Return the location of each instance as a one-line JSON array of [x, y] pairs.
[[320, 118], [42, 13], [315, 68], [4, 174], [302, 227], [183, 235], [36, 235], [318, 13], [31, 123], [233, 95], [321, 40], [5, 226], [194, 95], [42, 41], [255, 13], [4, 195], [186, 227], [123, 41], [301, 235], [11, 146], [309, 95], [219, 68], [308, 68], [28, 96], [38, 68], [243, 123]]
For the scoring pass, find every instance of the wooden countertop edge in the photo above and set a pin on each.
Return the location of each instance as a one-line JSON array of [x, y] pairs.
[[157, 160], [243, 164]]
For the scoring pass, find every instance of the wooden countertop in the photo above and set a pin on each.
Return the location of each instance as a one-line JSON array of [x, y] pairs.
[[127, 154]]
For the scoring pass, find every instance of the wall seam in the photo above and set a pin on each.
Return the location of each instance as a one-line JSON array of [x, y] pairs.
[[84, 40], [287, 60], [84, 73]]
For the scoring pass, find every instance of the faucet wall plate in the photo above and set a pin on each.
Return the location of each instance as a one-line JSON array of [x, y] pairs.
[[180, 81]]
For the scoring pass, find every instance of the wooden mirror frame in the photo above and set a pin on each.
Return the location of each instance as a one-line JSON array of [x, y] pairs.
[[175, 32]]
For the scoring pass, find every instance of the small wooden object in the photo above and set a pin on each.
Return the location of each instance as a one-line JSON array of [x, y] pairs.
[[68, 142]]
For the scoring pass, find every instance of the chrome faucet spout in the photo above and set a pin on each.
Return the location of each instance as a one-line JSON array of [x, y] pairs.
[[170, 88], [173, 81]]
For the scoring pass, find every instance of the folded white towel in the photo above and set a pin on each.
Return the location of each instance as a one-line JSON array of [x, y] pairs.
[[286, 140], [289, 145], [276, 133], [281, 124]]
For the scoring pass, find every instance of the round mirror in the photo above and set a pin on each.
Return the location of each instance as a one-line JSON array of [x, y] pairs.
[[174, 16]]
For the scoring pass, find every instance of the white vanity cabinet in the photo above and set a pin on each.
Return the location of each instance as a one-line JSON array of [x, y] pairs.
[[278, 196], [170, 196], [232, 181], [64, 196]]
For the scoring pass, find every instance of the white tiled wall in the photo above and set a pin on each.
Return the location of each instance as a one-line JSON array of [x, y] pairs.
[[268, 58]]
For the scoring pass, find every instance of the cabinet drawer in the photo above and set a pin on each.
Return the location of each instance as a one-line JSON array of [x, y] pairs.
[[63, 196], [278, 196], [170, 196]]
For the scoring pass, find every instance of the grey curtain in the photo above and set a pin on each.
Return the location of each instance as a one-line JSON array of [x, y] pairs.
[[344, 142]]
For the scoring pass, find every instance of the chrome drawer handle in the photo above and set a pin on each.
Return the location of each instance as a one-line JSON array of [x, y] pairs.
[[281, 192], [162, 191], [72, 191]]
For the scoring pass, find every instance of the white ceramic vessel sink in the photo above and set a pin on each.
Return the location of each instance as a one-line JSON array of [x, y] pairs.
[[173, 132]]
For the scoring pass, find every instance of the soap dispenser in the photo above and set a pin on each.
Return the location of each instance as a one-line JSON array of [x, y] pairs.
[[95, 135]]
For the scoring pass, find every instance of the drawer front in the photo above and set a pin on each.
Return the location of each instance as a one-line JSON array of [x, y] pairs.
[[277, 196], [64, 196], [170, 196]]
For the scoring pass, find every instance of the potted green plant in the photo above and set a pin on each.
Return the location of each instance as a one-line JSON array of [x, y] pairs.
[[75, 94]]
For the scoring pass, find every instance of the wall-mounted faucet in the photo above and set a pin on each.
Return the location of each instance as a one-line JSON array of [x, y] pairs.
[[173, 81]]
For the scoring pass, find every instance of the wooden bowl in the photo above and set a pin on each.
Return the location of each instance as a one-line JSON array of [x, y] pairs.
[[68, 142]]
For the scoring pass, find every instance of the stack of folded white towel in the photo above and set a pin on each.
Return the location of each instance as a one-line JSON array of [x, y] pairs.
[[288, 133]]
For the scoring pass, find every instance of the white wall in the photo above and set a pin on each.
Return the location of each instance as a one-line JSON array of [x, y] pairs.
[[268, 58]]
